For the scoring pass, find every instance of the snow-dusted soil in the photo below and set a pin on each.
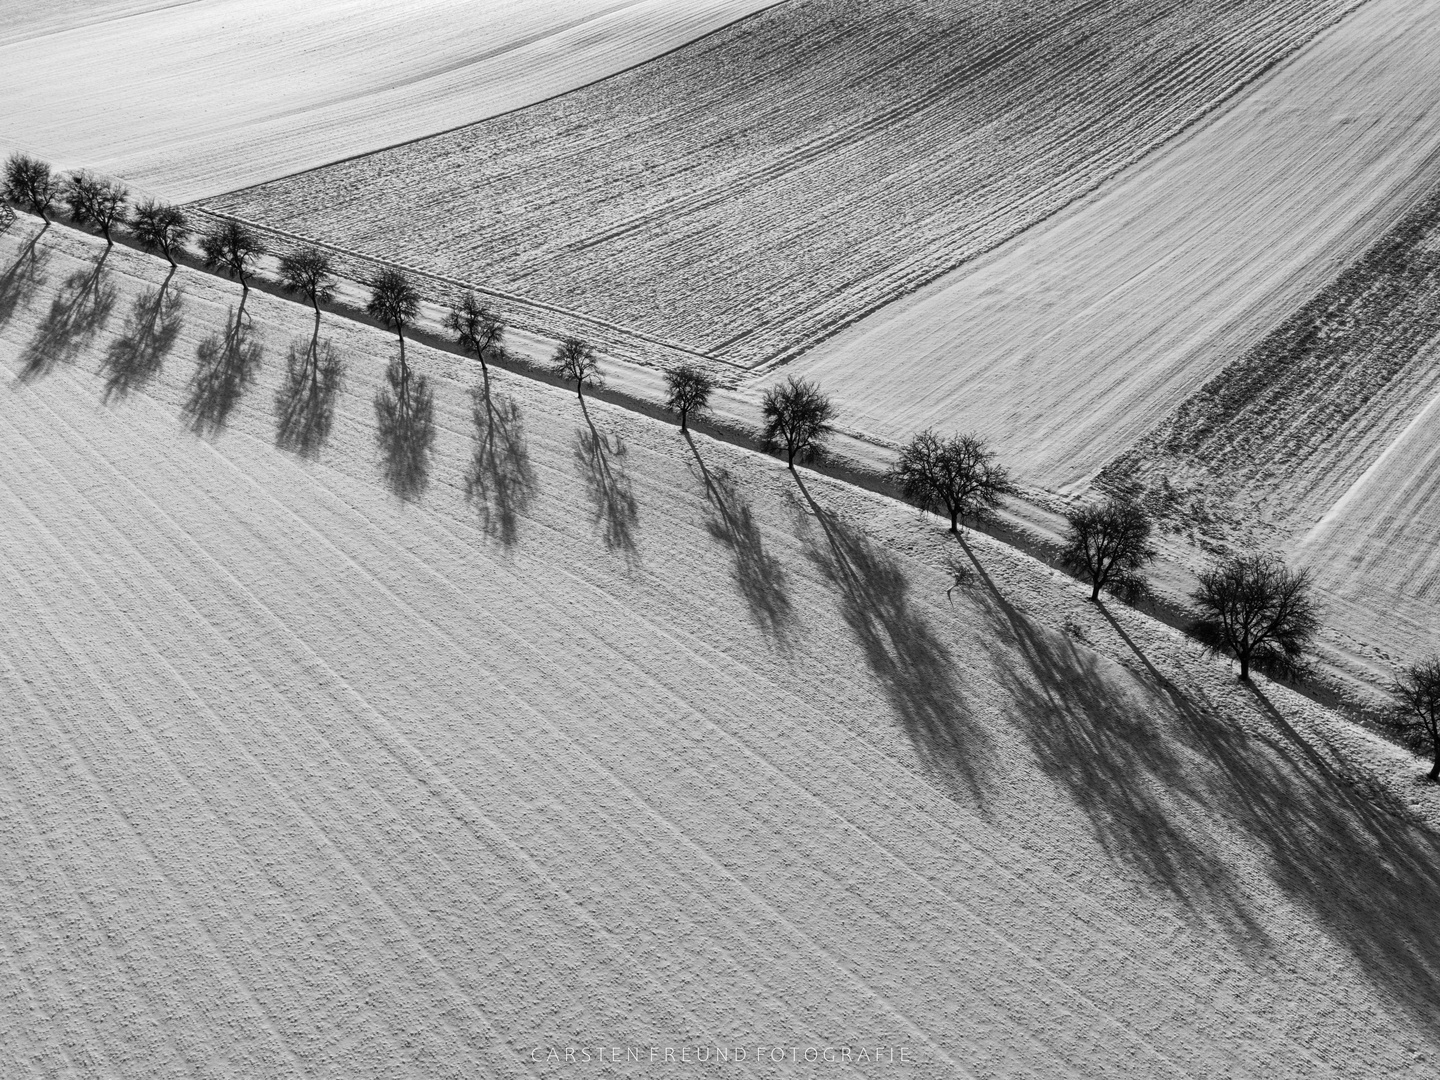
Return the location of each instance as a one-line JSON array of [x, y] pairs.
[[760, 189], [639, 744], [1070, 343], [1323, 439], [192, 99]]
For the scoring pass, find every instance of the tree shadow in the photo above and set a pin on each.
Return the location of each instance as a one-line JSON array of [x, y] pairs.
[[758, 575], [405, 419], [76, 315], [601, 461], [1370, 881], [906, 656], [226, 367], [25, 276], [305, 400], [1096, 735], [501, 481], [135, 357]]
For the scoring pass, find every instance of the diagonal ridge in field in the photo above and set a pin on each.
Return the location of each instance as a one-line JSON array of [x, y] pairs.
[[762, 188], [1281, 433]]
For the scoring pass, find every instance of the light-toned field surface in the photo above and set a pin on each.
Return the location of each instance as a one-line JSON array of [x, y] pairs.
[[192, 99], [1322, 438], [1068, 344], [757, 191], [299, 778]]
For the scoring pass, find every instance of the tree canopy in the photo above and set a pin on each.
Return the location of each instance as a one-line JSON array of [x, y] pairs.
[[160, 227], [233, 247], [688, 389], [1258, 610], [576, 362], [797, 419], [308, 272], [957, 475], [29, 182], [1108, 545], [1417, 715]]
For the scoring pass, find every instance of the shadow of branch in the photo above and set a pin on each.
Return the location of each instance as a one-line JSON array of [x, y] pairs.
[[24, 277], [600, 460], [758, 575], [405, 430], [225, 367], [76, 315], [305, 400], [151, 328], [500, 481], [914, 667]]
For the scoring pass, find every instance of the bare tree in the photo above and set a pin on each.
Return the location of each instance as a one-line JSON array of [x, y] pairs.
[[958, 475], [1109, 545], [689, 389], [29, 182], [98, 202], [160, 227], [797, 419], [308, 272], [477, 330], [394, 302], [576, 362], [234, 247], [1257, 609], [1417, 717]]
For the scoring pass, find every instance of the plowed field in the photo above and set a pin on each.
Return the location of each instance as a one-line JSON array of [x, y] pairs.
[[761, 189], [338, 745], [192, 99]]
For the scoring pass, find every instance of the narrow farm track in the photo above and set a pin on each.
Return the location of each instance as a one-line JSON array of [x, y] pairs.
[[761, 189], [271, 87], [300, 777]]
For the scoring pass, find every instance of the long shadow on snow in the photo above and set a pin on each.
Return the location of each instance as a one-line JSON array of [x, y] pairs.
[[305, 400], [500, 481], [24, 277], [601, 462], [76, 315], [1371, 881], [405, 430], [135, 357], [758, 575], [1096, 735], [225, 369], [904, 653]]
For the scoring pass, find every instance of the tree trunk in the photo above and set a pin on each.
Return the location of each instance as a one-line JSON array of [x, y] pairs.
[[683, 418], [790, 456], [1435, 769], [955, 522], [1245, 667], [1095, 591]]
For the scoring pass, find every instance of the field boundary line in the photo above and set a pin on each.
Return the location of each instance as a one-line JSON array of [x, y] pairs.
[[617, 338]]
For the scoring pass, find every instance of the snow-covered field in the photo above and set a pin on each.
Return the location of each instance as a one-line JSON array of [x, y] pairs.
[[602, 739], [759, 190], [193, 99], [1068, 344]]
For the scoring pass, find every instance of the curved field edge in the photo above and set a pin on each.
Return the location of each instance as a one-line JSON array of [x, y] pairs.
[[864, 153], [302, 756], [296, 86]]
